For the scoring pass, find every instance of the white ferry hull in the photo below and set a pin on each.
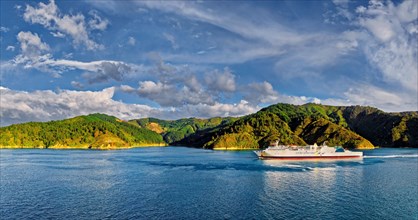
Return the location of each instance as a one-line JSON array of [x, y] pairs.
[[284, 155], [321, 157]]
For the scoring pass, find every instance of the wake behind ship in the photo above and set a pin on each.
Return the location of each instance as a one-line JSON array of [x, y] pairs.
[[286, 152]]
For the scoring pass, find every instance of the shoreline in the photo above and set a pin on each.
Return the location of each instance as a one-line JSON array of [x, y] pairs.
[[84, 147]]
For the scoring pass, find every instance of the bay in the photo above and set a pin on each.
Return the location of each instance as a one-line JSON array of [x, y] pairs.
[[188, 183]]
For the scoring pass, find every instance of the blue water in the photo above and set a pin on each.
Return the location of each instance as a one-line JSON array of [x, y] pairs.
[[187, 183]]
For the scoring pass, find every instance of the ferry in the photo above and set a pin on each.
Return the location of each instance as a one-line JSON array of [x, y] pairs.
[[288, 152]]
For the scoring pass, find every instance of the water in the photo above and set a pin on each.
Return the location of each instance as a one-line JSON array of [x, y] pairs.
[[187, 183]]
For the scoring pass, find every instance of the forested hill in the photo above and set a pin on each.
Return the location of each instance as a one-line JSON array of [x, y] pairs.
[[351, 127], [95, 131], [176, 130], [381, 128]]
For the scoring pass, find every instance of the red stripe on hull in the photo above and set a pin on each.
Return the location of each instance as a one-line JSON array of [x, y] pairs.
[[310, 158]]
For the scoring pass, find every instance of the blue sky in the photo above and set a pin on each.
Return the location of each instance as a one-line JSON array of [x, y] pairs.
[[170, 59]]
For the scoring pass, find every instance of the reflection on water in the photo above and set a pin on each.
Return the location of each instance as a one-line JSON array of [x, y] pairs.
[[185, 183], [292, 191]]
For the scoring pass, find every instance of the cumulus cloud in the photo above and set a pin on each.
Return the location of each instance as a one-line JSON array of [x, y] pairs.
[[170, 95], [45, 105], [178, 85], [31, 44], [221, 81], [260, 92], [103, 71], [50, 17], [368, 95], [97, 23], [264, 93], [222, 109], [33, 51]]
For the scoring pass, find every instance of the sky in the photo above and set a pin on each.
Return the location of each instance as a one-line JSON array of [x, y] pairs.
[[180, 59]]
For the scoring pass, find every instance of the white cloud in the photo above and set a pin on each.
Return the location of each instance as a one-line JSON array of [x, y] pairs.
[[49, 16], [33, 51], [172, 40], [361, 9], [4, 29], [57, 34], [379, 27], [264, 93], [342, 11], [127, 89], [10, 48], [178, 85], [97, 23], [367, 95], [46, 105], [77, 85], [34, 55], [260, 93], [392, 46], [222, 109], [131, 41], [30, 44], [221, 81], [170, 94], [407, 11], [106, 70]]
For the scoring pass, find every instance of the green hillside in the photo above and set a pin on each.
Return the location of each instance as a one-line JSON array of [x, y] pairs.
[[351, 127], [299, 125], [95, 131], [175, 130], [381, 128]]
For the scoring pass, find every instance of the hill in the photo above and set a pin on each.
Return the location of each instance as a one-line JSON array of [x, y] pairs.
[[95, 131], [292, 124], [175, 130], [351, 127]]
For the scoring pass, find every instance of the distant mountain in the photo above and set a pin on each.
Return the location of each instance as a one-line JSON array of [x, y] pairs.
[[351, 127], [176, 130], [95, 131]]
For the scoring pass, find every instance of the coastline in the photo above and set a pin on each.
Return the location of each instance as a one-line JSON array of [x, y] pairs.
[[85, 147]]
